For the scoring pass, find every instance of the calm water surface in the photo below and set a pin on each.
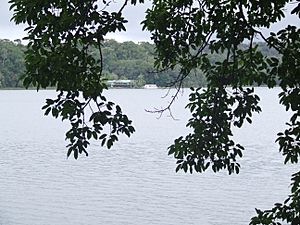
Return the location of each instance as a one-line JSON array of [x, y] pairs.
[[135, 182]]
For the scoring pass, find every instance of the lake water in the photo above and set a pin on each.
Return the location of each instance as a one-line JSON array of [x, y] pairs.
[[135, 182]]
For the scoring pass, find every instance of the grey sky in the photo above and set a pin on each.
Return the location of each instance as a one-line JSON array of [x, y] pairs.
[[134, 14], [8, 29]]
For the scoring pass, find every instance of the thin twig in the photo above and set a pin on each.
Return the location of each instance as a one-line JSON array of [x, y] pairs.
[[105, 6], [123, 6], [168, 107]]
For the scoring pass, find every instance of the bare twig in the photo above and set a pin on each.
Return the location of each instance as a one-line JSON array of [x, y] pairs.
[[105, 6], [123, 6], [168, 107], [101, 58], [91, 108], [87, 103]]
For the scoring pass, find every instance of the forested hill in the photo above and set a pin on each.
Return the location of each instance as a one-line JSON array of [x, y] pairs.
[[125, 60], [11, 63]]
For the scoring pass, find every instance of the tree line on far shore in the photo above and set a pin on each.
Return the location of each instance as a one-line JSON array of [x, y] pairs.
[[127, 60]]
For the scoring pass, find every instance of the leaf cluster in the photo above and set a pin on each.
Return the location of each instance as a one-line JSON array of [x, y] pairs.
[[60, 37], [183, 31]]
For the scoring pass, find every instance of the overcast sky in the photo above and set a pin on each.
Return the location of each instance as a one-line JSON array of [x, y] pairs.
[[134, 14]]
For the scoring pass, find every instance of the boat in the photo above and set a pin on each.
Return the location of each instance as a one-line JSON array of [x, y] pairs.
[[150, 86]]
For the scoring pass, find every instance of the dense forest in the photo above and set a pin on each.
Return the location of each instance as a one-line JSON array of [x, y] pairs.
[[126, 60], [11, 63]]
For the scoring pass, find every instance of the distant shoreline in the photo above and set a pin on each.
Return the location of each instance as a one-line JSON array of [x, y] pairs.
[[20, 88]]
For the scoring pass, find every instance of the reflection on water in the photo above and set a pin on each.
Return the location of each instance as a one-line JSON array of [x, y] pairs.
[[135, 182]]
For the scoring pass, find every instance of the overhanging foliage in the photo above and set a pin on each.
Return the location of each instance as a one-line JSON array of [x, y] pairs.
[[60, 33]]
